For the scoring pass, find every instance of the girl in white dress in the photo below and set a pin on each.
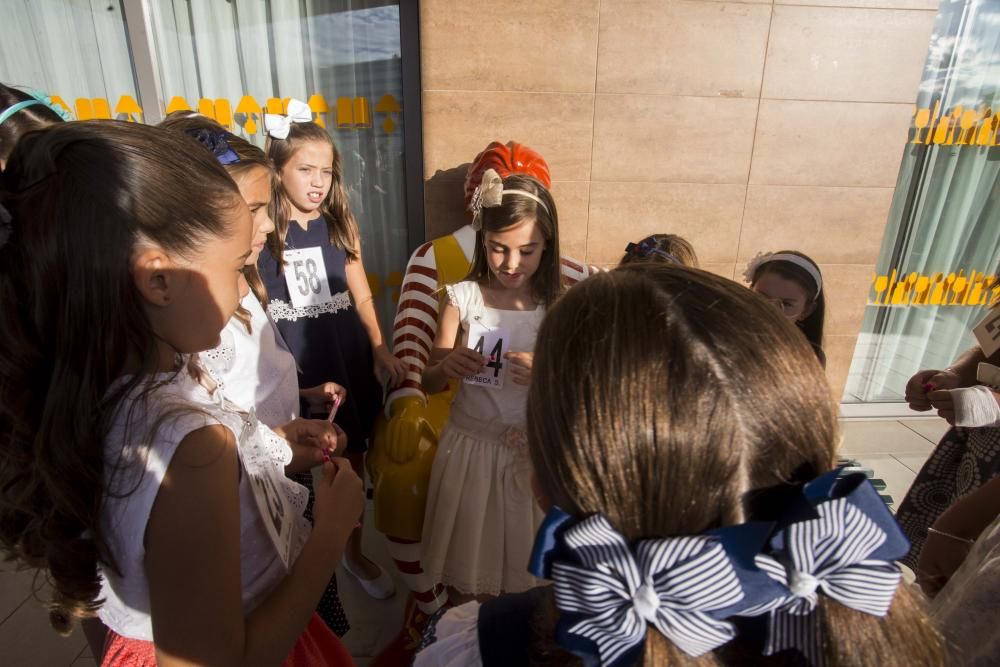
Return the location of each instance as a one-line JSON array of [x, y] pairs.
[[252, 364], [481, 516]]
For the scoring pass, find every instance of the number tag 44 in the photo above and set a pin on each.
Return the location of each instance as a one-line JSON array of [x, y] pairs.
[[492, 344], [305, 274]]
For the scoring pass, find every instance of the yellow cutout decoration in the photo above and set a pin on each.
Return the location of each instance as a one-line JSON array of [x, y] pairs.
[[349, 113], [319, 106], [177, 104], [388, 105], [128, 107], [954, 289], [959, 127]]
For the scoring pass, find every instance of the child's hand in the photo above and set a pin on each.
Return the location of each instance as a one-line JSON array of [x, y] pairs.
[[462, 362], [340, 498], [520, 366], [925, 382], [322, 397], [312, 441], [388, 367]]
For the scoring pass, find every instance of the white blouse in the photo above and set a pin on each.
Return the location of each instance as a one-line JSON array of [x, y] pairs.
[[254, 368]]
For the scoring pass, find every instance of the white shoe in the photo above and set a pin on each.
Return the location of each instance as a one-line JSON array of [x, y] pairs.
[[380, 588]]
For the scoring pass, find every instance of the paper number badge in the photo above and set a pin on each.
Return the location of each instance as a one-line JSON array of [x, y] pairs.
[[988, 332], [305, 275], [492, 344]]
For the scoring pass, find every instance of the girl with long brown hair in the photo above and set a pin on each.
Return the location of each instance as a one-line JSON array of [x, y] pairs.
[[480, 517], [319, 294], [252, 364], [127, 477], [679, 430]]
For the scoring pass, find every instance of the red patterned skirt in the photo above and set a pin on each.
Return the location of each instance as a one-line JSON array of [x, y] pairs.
[[316, 647]]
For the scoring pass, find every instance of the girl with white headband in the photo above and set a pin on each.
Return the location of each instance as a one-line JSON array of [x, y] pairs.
[[480, 518], [792, 282]]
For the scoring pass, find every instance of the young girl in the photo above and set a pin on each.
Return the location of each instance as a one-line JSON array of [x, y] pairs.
[[673, 483], [792, 282], [668, 248], [252, 364], [312, 270], [128, 477], [480, 516]]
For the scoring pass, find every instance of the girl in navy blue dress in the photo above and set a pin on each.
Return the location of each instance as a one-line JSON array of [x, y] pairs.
[[320, 298]]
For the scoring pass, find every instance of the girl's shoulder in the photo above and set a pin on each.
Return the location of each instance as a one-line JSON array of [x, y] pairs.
[[468, 298], [159, 413]]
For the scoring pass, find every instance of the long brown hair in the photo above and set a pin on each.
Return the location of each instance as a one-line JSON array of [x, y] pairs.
[[335, 209], [28, 119], [250, 157], [546, 283], [81, 196], [662, 396]]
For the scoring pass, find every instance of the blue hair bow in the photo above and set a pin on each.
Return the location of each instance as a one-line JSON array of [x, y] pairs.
[[836, 538], [608, 593], [846, 549], [217, 142], [647, 247]]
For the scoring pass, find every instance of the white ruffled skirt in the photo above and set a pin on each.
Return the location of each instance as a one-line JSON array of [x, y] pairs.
[[481, 516]]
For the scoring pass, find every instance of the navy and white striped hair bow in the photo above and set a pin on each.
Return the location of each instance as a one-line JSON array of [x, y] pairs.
[[846, 551], [608, 594]]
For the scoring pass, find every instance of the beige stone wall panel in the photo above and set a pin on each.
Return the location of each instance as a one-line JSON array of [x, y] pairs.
[[846, 54], [676, 47]]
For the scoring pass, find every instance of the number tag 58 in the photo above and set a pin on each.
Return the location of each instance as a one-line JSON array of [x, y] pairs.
[[492, 344], [305, 275]]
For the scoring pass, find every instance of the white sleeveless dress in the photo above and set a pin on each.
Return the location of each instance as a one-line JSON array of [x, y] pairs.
[[481, 515]]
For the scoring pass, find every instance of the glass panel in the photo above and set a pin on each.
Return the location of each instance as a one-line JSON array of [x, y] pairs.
[[935, 274], [75, 50], [232, 60]]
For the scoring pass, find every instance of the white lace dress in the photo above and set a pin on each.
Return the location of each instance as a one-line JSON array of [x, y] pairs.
[[481, 515]]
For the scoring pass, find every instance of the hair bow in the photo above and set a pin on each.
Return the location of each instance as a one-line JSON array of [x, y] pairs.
[[217, 143], [846, 552], [488, 194], [607, 595], [647, 247], [278, 125]]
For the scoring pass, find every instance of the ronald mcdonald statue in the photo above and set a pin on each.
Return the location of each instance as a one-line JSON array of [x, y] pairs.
[[405, 442]]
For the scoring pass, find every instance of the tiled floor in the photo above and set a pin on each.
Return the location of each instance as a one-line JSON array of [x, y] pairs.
[[894, 449]]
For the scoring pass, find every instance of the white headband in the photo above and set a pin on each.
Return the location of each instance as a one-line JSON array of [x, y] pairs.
[[766, 257], [489, 194]]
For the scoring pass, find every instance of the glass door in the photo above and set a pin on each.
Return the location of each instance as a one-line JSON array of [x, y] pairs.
[[937, 270]]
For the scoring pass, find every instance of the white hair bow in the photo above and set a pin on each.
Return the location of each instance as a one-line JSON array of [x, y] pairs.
[[277, 125], [488, 194]]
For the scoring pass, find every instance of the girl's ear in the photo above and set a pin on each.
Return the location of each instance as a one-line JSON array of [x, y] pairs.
[[151, 274], [808, 311]]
